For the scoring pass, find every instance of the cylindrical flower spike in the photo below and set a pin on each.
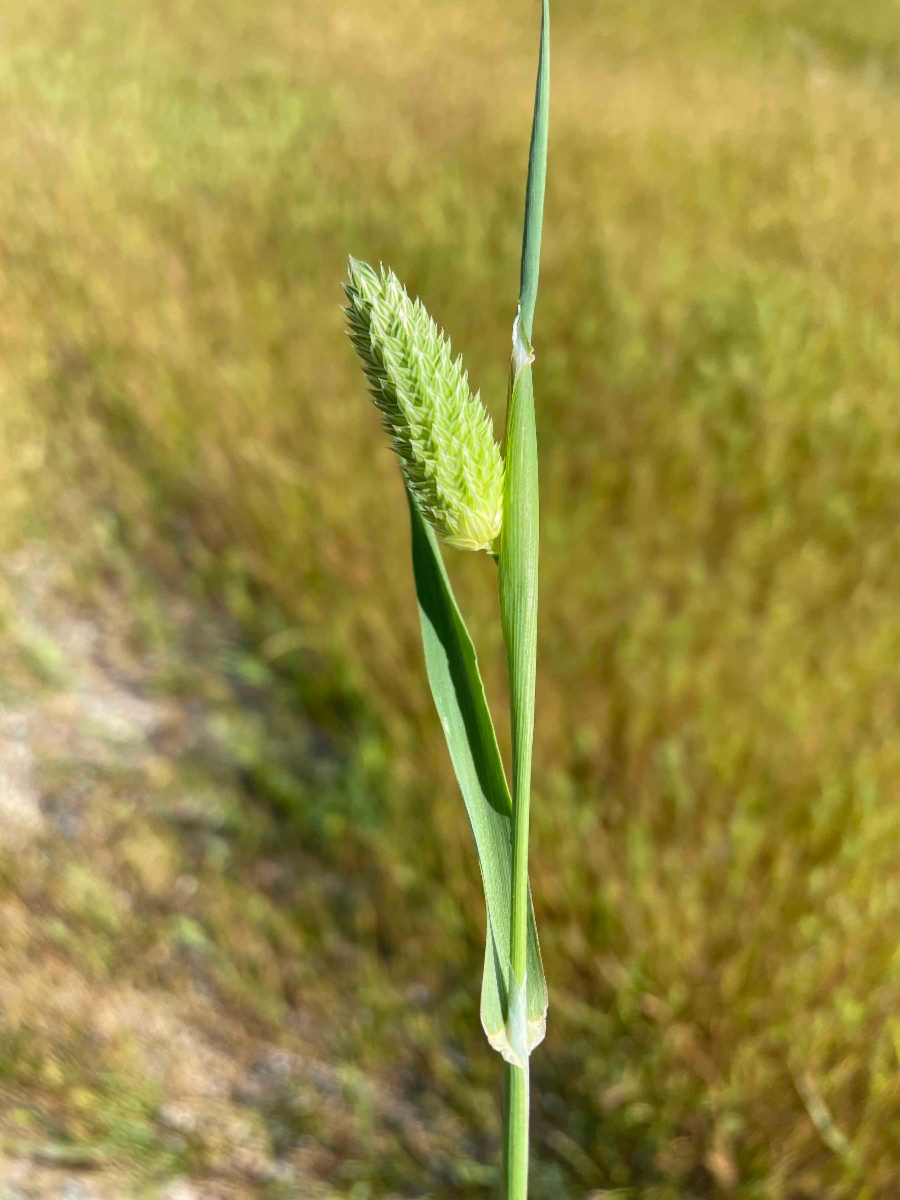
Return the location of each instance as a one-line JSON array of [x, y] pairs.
[[441, 433]]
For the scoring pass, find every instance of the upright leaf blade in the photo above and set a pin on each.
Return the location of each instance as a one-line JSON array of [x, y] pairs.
[[459, 697], [537, 182], [519, 537]]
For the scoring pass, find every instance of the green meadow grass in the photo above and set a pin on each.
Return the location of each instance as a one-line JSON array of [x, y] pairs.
[[717, 763]]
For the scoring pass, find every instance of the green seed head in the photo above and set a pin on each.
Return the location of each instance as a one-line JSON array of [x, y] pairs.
[[441, 433]]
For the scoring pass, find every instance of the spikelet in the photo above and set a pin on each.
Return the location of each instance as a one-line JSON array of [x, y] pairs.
[[441, 433]]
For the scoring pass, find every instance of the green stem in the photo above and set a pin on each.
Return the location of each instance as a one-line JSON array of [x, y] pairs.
[[515, 1132], [518, 609], [518, 606]]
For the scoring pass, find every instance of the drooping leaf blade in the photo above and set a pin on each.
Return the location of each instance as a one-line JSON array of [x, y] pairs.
[[458, 692]]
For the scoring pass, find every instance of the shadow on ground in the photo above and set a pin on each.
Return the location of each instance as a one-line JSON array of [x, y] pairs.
[[164, 1025]]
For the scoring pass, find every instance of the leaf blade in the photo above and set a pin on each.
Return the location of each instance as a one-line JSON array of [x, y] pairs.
[[458, 692], [519, 540], [537, 182]]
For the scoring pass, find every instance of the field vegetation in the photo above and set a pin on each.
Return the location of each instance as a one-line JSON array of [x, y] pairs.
[[716, 832]]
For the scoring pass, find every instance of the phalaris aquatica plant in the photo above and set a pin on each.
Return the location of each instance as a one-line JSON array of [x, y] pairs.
[[461, 491]]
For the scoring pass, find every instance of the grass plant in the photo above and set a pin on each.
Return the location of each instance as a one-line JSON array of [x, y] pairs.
[[457, 483]]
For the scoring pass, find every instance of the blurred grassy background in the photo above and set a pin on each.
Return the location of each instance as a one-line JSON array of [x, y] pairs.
[[716, 865]]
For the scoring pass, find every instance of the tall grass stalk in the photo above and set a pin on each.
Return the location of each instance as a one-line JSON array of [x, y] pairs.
[[462, 491], [518, 611]]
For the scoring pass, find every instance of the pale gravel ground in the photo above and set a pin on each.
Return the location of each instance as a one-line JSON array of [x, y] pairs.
[[214, 1073], [91, 772]]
